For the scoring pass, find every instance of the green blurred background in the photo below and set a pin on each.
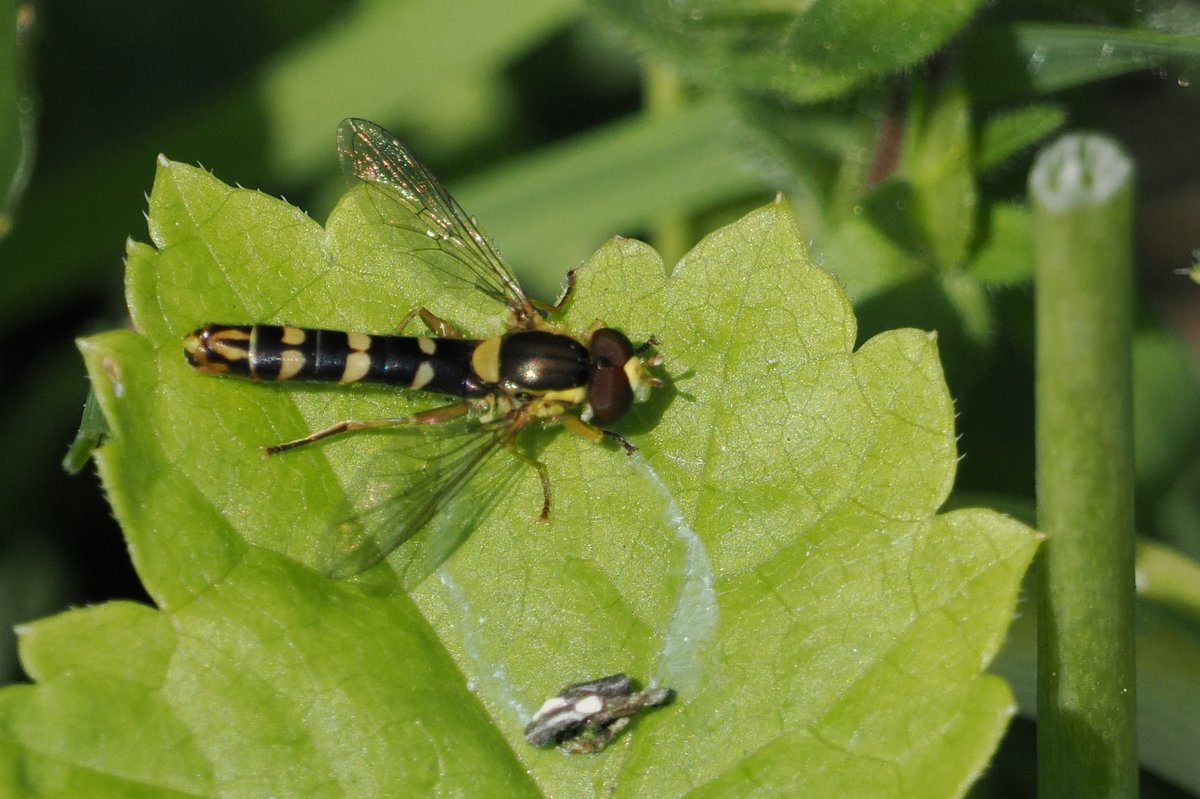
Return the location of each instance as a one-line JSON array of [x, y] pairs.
[[543, 119]]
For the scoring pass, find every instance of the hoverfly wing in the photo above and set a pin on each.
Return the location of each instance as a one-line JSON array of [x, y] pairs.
[[446, 238], [420, 496]]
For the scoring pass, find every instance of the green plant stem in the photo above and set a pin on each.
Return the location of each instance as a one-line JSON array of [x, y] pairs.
[[18, 128], [1081, 189], [664, 95]]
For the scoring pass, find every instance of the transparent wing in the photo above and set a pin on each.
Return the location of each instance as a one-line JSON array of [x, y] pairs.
[[410, 198], [435, 488]]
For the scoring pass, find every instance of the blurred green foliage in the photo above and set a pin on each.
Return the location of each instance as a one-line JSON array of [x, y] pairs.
[[900, 131]]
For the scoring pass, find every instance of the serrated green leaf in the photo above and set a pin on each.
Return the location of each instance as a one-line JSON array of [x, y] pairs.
[[773, 552]]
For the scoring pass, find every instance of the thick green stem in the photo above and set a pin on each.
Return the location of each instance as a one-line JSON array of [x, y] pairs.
[[664, 95], [1081, 189]]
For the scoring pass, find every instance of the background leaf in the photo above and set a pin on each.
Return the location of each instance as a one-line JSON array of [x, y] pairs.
[[532, 112], [797, 53], [16, 108]]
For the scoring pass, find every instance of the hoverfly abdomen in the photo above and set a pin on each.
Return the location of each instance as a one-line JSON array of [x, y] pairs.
[[440, 365], [220, 350], [284, 352]]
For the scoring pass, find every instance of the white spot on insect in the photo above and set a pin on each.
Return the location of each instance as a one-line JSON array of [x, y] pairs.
[[423, 376], [291, 364], [427, 345], [589, 705], [357, 366], [360, 342], [551, 705], [236, 351]]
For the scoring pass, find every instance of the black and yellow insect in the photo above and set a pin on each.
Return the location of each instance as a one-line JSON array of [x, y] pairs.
[[533, 371]]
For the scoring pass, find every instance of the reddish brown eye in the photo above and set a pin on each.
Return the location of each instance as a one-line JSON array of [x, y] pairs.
[[610, 346], [609, 393]]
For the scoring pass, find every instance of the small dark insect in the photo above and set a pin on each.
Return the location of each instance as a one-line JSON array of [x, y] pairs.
[[585, 717], [534, 371]]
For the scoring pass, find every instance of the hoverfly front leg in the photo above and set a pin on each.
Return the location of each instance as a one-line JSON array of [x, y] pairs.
[[592, 434], [622, 440], [433, 416]]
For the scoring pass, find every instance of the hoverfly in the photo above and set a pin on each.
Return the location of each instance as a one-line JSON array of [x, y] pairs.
[[532, 372]]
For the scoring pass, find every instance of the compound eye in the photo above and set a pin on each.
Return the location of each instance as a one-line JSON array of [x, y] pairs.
[[609, 393], [610, 347]]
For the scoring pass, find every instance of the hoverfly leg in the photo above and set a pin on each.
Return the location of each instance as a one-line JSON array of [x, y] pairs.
[[594, 740], [580, 428], [622, 440], [557, 307], [408, 317], [543, 476], [433, 416], [592, 434], [596, 324], [438, 326]]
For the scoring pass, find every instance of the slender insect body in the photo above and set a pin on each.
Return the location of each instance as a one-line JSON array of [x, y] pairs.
[[281, 352], [526, 365], [534, 370]]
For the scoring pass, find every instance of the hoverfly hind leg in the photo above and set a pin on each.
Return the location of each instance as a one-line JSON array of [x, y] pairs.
[[433, 416], [543, 476]]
